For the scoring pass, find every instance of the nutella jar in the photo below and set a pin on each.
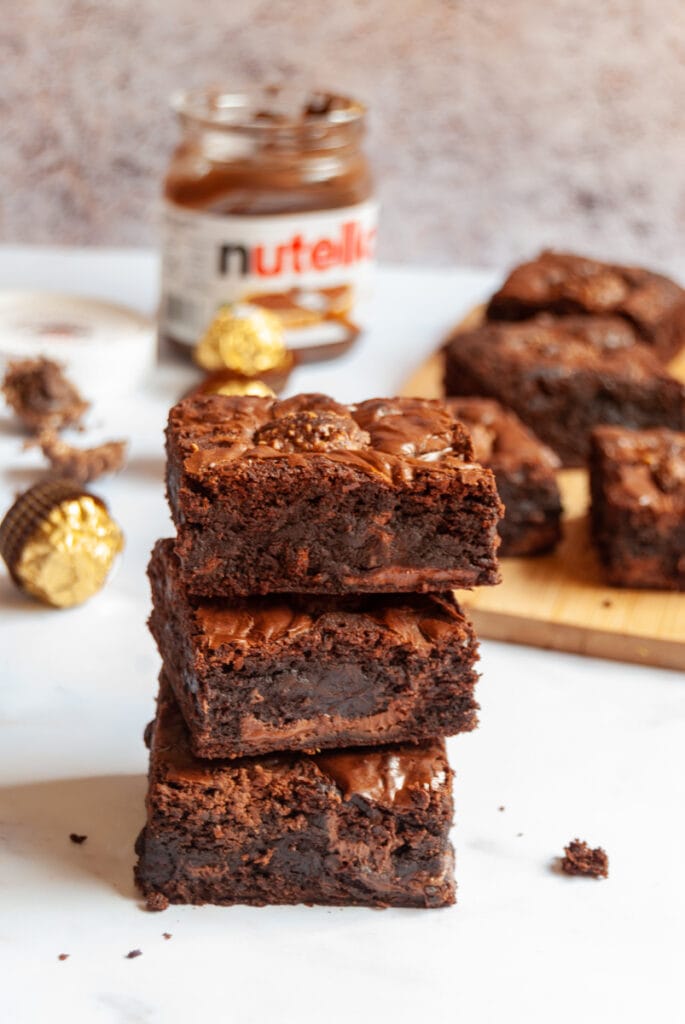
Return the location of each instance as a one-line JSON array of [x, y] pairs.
[[269, 201]]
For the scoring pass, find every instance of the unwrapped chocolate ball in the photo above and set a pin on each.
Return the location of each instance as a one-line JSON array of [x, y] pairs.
[[59, 543]]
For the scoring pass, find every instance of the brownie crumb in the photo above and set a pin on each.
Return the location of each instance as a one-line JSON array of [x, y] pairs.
[[41, 396], [76, 838], [63, 956], [166, 935], [580, 859], [132, 954], [82, 464], [501, 807], [156, 901]]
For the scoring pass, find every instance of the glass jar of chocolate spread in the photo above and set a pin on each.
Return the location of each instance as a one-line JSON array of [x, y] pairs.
[[269, 201]]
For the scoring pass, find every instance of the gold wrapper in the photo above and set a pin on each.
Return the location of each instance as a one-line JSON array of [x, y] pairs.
[[242, 387], [243, 338], [59, 543]]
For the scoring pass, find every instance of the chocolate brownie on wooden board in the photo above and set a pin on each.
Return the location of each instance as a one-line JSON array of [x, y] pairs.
[[566, 376], [563, 284], [293, 672], [637, 481], [367, 826], [525, 471], [310, 496]]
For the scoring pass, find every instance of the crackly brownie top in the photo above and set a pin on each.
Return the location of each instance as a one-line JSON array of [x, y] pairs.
[[643, 467], [393, 776], [603, 345], [566, 283], [389, 437], [500, 439], [419, 620]]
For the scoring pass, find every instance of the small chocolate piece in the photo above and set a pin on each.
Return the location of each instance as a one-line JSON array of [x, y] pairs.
[[63, 956], [368, 827], [59, 543], [167, 935], [564, 284], [311, 496], [637, 483], [133, 953], [580, 859], [294, 672], [81, 464], [566, 376], [76, 838], [41, 396]]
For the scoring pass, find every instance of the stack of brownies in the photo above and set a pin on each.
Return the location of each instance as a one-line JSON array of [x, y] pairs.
[[314, 657]]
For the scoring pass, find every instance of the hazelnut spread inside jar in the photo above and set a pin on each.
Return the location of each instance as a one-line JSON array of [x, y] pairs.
[[269, 201]]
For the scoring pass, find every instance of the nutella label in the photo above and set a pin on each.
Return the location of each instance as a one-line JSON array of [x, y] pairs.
[[312, 269]]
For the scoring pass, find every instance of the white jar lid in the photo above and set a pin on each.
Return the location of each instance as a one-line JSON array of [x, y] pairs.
[[105, 349]]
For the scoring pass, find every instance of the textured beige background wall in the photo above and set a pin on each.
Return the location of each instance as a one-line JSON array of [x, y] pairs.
[[498, 125]]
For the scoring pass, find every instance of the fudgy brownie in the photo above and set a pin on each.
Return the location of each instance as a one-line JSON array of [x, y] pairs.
[[310, 496], [254, 675], [566, 376], [564, 284], [367, 826], [637, 481], [525, 472]]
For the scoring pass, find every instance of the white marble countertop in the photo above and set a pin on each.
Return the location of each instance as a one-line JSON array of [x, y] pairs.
[[567, 747]]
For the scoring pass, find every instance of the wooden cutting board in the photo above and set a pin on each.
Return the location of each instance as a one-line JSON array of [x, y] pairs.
[[560, 601]]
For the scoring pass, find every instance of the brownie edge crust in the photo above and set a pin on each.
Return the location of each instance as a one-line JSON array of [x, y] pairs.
[[367, 827]]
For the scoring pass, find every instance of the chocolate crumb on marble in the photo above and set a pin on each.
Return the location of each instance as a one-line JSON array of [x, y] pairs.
[[41, 396], [81, 464], [63, 956], [167, 935], [132, 954], [76, 838], [581, 859]]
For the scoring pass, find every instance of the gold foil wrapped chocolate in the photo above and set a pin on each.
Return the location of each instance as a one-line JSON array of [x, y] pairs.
[[59, 543], [243, 338], [257, 388]]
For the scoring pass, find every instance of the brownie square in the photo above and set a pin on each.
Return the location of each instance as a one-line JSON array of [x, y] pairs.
[[637, 481], [564, 377], [310, 496], [255, 675], [563, 284], [367, 826], [525, 472]]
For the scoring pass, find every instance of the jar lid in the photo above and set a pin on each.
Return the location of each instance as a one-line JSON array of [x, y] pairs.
[[106, 349]]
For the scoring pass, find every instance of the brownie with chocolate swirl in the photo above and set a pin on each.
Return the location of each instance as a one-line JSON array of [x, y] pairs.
[[565, 375], [637, 480], [368, 826], [310, 496], [525, 471], [292, 672], [650, 305]]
